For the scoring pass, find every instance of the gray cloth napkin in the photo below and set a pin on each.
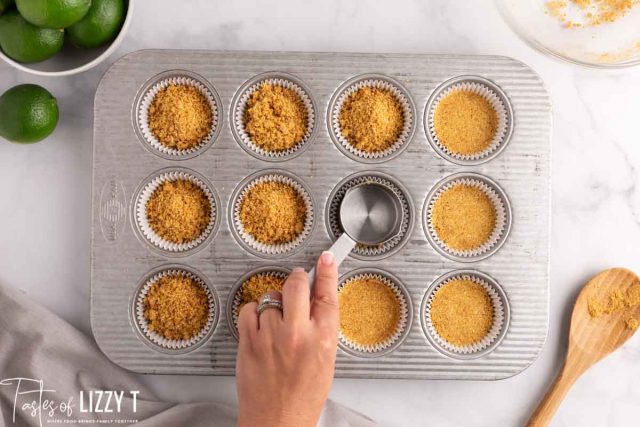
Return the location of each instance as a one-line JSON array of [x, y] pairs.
[[38, 350]]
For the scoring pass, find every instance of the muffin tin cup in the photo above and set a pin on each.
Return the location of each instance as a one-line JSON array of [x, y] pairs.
[[388, 247], [148, 94], [239, 106], [503, 217], [498, 100], [144, 229], [233, 303], [156, 340], [380, 82], [246, 239], [404, 325], [501, 316]]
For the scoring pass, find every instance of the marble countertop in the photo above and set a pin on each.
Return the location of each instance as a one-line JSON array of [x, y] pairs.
[[46, 213]]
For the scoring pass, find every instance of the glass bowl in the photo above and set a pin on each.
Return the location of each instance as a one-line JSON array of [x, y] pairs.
[[548, 29]]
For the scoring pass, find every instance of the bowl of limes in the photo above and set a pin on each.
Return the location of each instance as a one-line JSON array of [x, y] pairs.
[[61, 37]]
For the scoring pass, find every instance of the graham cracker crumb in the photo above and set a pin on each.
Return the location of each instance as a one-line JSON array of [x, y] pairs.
[[258, 285], [617, 302], [371, 119], [588, 13], [176, 307], [463, 217], [596, 309], [462, 312], [465, 122], [178, 211], [369, 311], [275, 118], [180, 116], [273, 213]]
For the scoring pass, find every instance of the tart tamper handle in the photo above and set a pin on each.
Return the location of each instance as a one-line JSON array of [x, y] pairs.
[[340, 250]]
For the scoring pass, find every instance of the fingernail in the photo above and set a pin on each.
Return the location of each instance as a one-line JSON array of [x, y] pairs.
[[327, 258], [298, 270]]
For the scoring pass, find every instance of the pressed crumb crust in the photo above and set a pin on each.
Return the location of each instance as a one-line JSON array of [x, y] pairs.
[[180, 117], [369, 311], [178, 211], [463, 217], [258, 285], [465, 122], [371, 119], [275, 118], [273, 213], [176, 307], [461, 312]]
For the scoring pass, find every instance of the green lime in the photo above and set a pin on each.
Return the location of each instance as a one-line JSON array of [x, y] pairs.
[[53, 13], [25, 42], [28, 113], [4, 5], [100, 25]]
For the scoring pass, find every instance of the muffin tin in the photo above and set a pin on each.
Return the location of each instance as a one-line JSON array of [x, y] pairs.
[[124, 163]]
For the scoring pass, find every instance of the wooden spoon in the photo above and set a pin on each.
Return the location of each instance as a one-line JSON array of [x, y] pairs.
[[590, 339]]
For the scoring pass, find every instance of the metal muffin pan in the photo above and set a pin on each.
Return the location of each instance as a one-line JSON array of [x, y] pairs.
[[122, 160]]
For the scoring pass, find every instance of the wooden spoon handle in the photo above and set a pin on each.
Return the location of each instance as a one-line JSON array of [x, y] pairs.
[[554, 397]]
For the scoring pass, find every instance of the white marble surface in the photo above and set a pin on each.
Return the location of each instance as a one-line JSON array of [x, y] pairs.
[[45, 191]]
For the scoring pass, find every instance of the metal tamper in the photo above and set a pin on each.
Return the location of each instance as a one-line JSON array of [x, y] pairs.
[[370, 214]]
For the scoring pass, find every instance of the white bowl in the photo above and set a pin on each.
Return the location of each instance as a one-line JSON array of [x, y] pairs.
[[72, 60]]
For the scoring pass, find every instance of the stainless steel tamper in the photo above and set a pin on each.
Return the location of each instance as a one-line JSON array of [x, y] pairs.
[[370, 214]]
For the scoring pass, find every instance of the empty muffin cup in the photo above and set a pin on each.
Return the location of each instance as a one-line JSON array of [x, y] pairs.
[[449, 309], [279, 182], [205, 227], [386, 292], [200, 137], [400, 100], [463, 149], [481, 233], [286, 109], [144, 314]]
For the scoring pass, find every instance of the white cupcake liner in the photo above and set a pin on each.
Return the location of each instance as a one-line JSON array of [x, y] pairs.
[[145, 104], [241, 106], [386, 247], [159, 339], [494, 331], [282, 248], [496, 102], [498, 231], [402, 322], [141, 212], [236, 295], [407, 110]]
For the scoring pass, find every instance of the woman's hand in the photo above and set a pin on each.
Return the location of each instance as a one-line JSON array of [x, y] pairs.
[[286, 361]]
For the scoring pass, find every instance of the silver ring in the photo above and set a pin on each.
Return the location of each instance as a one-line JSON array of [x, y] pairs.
[[267, 302]]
